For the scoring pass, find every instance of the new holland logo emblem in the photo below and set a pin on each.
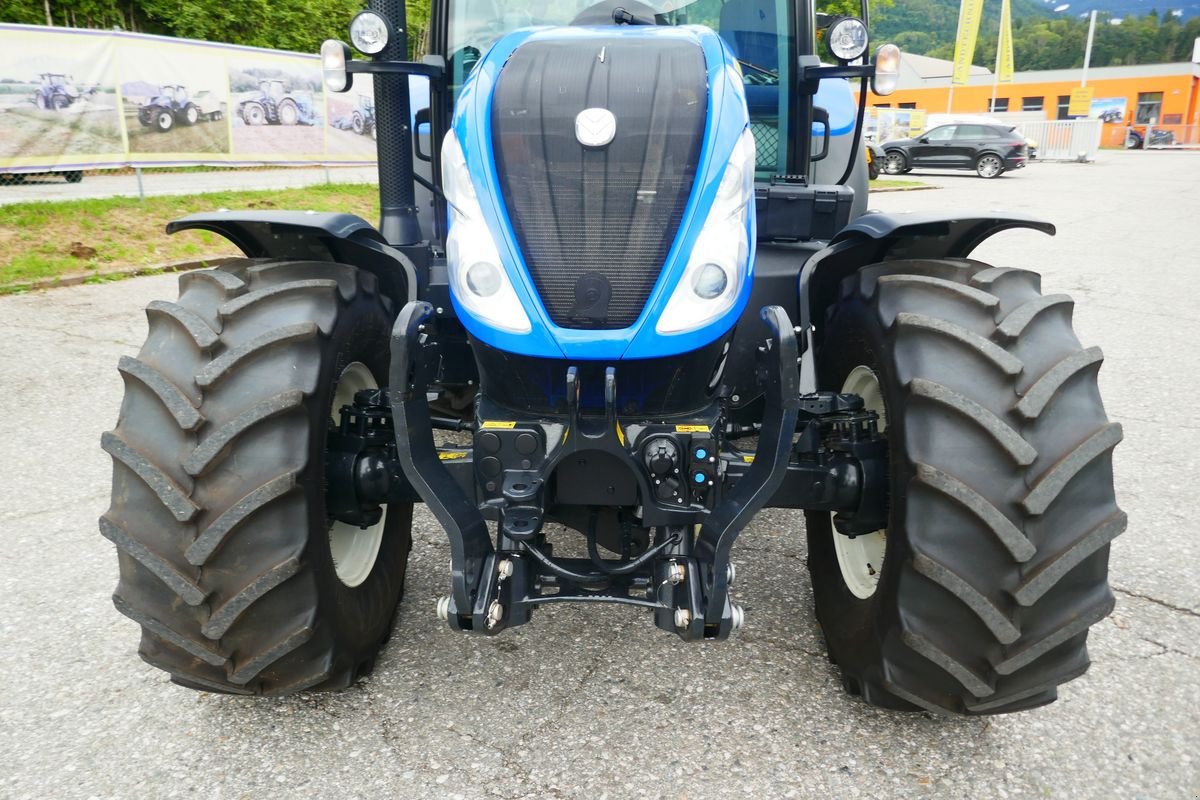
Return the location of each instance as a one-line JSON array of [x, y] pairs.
[[595, 127]]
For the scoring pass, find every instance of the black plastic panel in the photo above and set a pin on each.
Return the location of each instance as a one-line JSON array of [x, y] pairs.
[[645, 387], [595, 224]]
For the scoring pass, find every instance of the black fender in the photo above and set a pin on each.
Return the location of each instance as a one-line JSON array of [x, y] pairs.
[[876, 237], [312, 236]]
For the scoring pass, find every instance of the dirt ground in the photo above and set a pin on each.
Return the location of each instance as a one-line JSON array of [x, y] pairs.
[[349, 143], [203, 137], [88, 126], [278, 140]]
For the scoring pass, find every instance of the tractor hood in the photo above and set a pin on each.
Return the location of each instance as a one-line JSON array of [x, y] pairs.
[[609, 167]]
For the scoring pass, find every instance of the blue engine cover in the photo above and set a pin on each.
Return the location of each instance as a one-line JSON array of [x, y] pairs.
[[726, 121]]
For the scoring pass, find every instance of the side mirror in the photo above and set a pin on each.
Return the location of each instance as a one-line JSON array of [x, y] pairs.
[[924, 140]]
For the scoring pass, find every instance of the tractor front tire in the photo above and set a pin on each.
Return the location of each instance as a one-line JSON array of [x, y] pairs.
[[227, 560], [977, 597], [288, 112], [191, 114], [164, 120]]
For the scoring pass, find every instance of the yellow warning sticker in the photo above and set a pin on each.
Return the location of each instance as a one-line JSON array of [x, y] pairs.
[[452, 455], [691, 429], [497, 425], [748, 459]]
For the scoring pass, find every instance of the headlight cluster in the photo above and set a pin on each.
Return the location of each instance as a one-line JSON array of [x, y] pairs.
[[477, 275], [370, 32], [846, 39], [717, 266]]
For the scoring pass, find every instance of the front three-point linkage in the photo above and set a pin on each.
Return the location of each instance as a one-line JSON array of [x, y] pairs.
[[519, 473]]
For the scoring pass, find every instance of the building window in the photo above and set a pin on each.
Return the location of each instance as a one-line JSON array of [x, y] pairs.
[[1149, 108], [1032, 103], [883, 105], [998, 106], [1064, 105], [908, 105]]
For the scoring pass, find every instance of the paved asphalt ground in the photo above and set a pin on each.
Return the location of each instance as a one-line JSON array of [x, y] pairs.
[[597, 703]]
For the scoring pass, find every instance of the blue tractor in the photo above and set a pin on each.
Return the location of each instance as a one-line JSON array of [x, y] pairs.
[[273, 104], [623, 297], [56, 92], [172, 105]]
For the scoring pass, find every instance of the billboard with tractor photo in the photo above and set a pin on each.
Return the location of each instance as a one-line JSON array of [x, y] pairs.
[[78, 99], [58, 101]]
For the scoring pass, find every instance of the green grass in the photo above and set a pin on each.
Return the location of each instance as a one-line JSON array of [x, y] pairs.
[[44, 241], [888, 183]]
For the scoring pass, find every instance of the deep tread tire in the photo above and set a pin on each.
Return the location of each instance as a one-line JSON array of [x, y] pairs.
[[218, 472], [1002, 502]]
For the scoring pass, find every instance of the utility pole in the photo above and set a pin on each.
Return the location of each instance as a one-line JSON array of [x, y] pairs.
[[1087, 53]]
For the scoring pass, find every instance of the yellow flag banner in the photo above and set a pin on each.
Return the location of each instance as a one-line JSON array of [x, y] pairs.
[[1004, 52], [969, 14]]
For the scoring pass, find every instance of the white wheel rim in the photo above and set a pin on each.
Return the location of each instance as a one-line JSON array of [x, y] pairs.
[[861, 558], [354, 549], [989, 166]]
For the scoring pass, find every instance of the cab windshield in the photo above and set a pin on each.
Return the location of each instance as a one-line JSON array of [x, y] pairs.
[[757, 31]]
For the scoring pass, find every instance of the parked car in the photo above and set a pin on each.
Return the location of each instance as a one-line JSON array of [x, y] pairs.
[[16, 178], [990, 150]]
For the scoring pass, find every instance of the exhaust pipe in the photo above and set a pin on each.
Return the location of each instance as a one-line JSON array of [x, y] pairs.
[[394, 142]]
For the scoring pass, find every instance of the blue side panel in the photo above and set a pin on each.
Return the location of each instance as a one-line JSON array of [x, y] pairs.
[[726, 123], [835, 97]]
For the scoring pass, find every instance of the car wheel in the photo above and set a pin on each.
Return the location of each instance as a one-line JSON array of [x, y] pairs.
[[894, 163], [989, 166]]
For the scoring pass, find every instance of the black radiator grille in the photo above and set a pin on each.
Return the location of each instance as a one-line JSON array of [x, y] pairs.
[[595, 225]]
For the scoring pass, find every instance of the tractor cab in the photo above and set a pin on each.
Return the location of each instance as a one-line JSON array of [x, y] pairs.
[[272, 88], [175, 93]]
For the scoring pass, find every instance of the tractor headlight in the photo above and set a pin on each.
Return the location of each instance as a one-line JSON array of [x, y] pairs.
[[887, 70], [370, 32], [478, 279], [334, 55], [847, 39], [717, 266]]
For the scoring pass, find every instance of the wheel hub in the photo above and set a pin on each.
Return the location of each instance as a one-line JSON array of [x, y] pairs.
[[354, 548], [860, 557]]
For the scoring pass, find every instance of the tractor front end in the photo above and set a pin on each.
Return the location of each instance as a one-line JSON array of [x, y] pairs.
[[624, 294]]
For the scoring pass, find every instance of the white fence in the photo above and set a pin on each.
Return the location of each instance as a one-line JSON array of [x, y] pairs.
[[1065, 140]]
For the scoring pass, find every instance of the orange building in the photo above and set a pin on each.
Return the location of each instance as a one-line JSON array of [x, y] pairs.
[[1163, 95]]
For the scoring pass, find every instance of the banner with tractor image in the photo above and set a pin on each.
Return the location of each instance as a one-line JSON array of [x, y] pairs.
[[79, 99]]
